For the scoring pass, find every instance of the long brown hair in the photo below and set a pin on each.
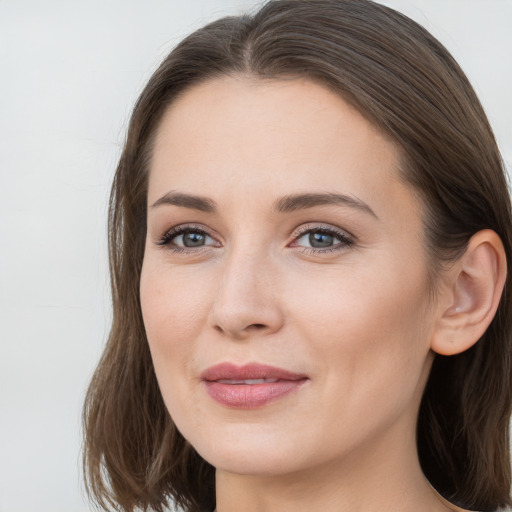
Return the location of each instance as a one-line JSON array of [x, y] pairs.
[[404, 81]]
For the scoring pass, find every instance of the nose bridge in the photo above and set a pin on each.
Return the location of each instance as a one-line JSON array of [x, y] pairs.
[[246, 300]]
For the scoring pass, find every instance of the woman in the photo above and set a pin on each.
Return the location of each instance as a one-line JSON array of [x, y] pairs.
[[309, 237]]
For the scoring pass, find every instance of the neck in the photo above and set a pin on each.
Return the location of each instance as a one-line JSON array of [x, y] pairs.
[[371, 478]]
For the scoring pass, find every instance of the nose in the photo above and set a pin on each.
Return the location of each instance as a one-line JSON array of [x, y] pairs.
[[247, 301]]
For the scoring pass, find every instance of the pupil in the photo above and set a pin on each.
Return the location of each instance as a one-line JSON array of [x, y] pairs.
[[193, 239], [320, 240]]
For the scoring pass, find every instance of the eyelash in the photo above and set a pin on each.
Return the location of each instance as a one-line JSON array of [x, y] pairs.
[[169, 236], [345, 240]]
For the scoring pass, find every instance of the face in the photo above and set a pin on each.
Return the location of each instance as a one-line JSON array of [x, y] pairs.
[[284, 287]]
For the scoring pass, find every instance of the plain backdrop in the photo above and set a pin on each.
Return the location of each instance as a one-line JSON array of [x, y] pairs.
[[70, 71]]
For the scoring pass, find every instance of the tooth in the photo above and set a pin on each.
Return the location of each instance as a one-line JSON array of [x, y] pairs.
[[248, 382]]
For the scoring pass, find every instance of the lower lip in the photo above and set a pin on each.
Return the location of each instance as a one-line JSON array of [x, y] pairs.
[[249, 396]]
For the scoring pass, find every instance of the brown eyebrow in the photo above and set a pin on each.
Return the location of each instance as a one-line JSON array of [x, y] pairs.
[[303, 201], [202, 204], [284, 204]]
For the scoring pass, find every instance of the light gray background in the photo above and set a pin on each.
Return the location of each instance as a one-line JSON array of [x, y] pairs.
[[70, 72]]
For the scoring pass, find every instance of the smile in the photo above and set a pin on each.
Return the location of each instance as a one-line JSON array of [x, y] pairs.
[[250, 386]]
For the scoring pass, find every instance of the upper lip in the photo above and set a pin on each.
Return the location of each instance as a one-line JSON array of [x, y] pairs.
[[230, 371]]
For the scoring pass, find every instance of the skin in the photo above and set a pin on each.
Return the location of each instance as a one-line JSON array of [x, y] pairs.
[[355, 318]]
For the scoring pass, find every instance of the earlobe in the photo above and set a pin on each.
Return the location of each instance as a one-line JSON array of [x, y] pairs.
[[471, 293]]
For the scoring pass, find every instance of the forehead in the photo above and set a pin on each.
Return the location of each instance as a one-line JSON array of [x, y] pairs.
[[240, 137]]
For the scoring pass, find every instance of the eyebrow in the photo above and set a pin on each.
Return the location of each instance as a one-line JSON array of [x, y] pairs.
[[309, 200], [202, 204], [284, 204]]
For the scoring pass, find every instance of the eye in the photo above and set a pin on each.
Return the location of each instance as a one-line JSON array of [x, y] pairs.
[[322, 239], [183, 238]]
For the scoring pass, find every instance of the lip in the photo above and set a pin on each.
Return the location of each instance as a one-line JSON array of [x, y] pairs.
[[278, 382]]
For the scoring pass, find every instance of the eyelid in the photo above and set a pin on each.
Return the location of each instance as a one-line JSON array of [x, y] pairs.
[[346, 239], [165, 240], [319, 226]]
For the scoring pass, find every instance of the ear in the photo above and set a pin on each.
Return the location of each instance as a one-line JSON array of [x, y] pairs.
[[470, 293]]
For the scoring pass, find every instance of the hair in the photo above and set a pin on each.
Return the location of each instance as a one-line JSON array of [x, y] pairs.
[[405, 82]]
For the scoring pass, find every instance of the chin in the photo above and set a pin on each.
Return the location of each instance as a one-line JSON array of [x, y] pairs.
[[253, 452], [249, 462]]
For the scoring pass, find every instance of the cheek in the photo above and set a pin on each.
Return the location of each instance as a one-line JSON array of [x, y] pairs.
[[174, 307], [172, 302], [385, 296], [367, 332], [370, 327]]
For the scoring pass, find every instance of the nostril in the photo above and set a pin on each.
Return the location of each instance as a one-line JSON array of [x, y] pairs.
[[239, 330]]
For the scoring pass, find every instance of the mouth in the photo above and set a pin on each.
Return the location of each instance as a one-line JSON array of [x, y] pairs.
[[249, 386], [249, 382]]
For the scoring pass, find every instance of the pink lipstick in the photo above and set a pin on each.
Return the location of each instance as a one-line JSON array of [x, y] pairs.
[[249, 386]]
